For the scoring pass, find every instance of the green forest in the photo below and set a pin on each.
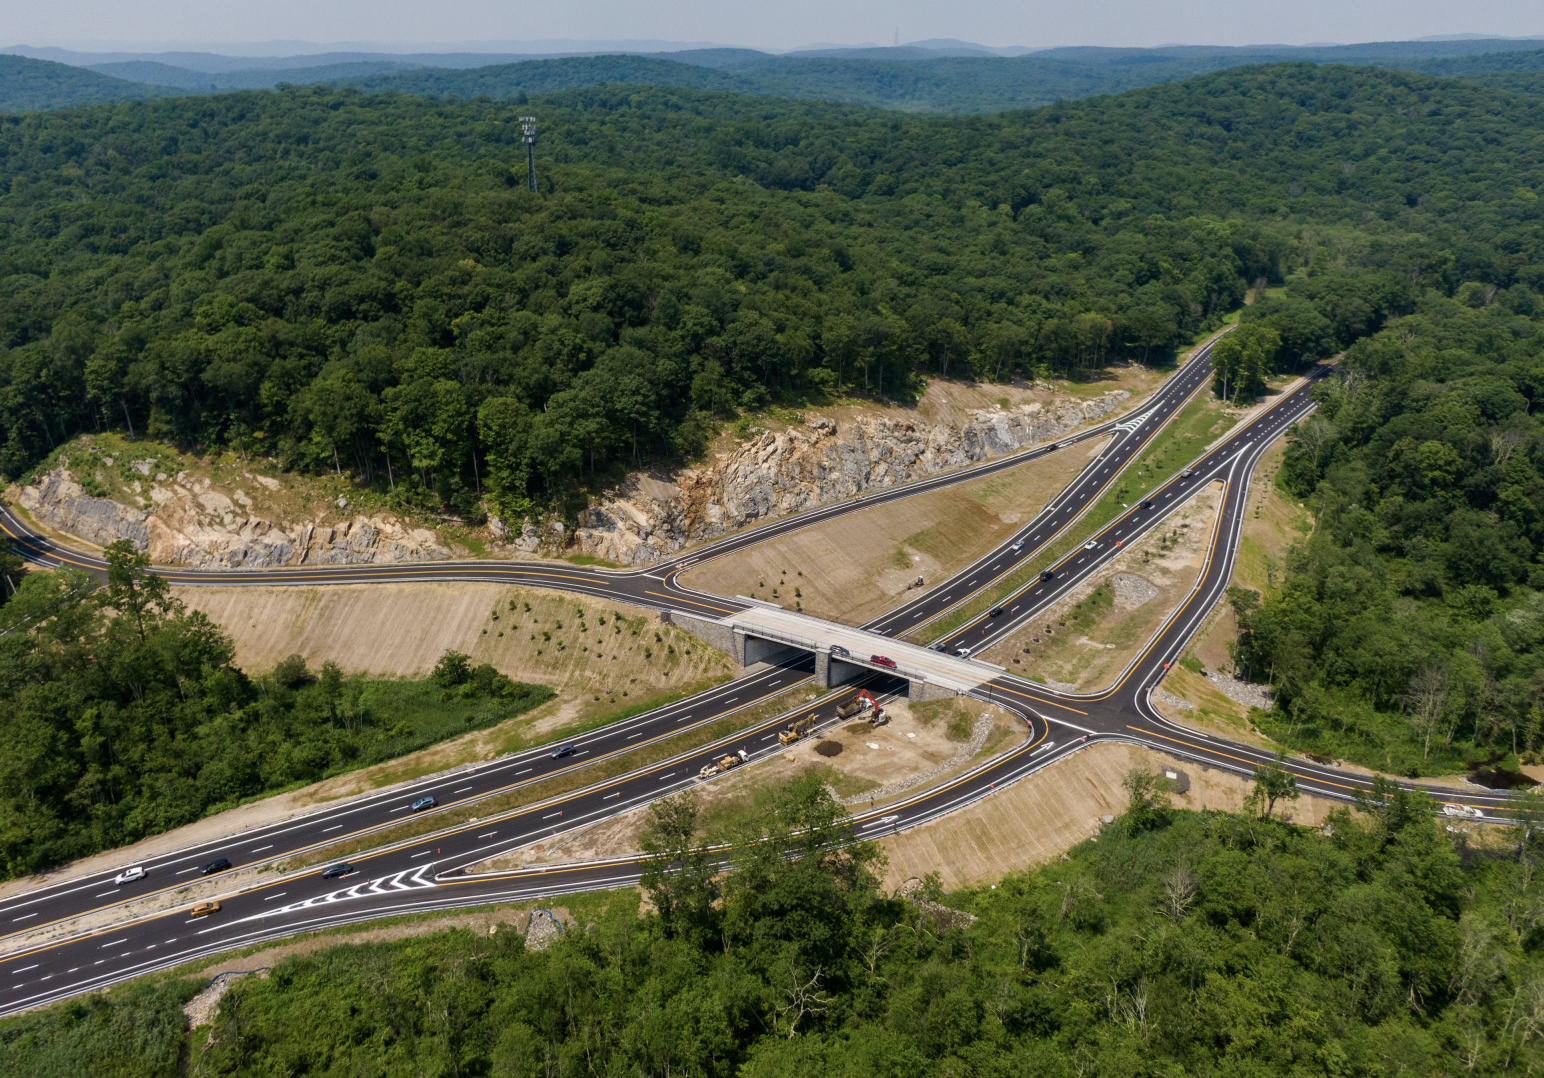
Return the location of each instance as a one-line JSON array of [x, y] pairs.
[[361, 282], [906, 78], [1173, 943], [126, 716]]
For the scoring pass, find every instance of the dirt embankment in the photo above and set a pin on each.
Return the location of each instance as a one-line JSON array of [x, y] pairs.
[[857, 566], [1274, 521], [1091, 635], [1052, 811], [602, 658], [864, 765]]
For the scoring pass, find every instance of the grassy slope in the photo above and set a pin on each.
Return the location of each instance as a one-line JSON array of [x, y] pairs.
[[1201, 421]]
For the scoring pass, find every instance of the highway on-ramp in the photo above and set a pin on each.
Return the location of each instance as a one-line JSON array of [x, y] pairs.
[[426, 872], [657, 587]]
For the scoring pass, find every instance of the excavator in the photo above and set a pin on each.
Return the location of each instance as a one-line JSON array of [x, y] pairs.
[[796, 730], [863, 702]]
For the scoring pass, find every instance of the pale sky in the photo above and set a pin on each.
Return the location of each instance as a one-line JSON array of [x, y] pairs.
[[403, 25]]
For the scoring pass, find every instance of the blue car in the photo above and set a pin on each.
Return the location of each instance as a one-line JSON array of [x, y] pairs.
[[424, 803]]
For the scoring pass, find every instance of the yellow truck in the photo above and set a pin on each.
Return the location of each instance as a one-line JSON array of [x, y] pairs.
[[796, 730], [719, 766]]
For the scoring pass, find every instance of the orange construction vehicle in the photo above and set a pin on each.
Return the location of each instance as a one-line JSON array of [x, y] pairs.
[[863, 702]]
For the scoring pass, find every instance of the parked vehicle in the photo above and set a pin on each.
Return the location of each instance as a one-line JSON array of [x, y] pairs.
[[204, 909], [938, 646], [1090, 545], [1046, 574], [130, 874], [561, 751], [1187, 473], [882, 660], [332, 872], [219, 864], [962, 652], [725, 763], [423, 803], [995, 612]]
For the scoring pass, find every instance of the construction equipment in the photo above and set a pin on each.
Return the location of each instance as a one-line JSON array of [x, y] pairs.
[[796, 729], [723, 764], [863, 702]]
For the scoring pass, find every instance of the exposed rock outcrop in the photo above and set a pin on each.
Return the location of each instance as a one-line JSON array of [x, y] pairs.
[[187, 523], [775, 474]]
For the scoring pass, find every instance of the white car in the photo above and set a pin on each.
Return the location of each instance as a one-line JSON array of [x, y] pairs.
[[1016, 547], [1468, 812], [1090, 545], [130, 874], [962, 652]]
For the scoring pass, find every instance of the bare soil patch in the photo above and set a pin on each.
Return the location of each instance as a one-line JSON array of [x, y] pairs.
[[855, 567], [1047, 814], [1090, 636], [602, 659], [918, 738]]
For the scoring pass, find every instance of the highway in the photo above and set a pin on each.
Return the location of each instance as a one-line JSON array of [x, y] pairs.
[[657, 587], [425, 873]]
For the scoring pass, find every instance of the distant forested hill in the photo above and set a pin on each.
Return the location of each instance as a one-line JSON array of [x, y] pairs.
[[28, 85], [544, 76], [895, 79], [251, 79]]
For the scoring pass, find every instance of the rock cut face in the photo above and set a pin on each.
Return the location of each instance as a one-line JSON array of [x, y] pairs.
[[188, 523], [774, 474]]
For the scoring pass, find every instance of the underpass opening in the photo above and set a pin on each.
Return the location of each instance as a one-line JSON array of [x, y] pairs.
[[756, 649]]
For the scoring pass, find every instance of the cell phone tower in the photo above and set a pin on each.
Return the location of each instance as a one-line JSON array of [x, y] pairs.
[[528, 129]]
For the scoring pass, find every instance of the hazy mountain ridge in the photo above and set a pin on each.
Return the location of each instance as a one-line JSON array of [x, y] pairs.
[[932, 76]]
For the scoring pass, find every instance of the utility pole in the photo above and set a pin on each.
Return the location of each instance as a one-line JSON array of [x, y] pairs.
[[528, 129]]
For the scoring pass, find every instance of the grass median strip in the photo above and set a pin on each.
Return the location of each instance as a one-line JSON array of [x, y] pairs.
[[560, 784], [1197, 426]]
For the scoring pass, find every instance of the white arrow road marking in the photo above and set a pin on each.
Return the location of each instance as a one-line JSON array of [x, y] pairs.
[[407, 880]]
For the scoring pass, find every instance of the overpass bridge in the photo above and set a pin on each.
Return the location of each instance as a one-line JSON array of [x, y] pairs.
[[765, 632]]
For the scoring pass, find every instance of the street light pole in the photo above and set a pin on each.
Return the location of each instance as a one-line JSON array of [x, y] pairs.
[[528, 130]]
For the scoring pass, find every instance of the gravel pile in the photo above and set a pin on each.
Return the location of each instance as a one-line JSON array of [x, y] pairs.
[[1132, 591], [1243, 692]]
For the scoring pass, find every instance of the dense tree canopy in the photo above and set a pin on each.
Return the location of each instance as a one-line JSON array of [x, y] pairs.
[[360, 282], [1409, 632], [1174, 943], [125, 715]]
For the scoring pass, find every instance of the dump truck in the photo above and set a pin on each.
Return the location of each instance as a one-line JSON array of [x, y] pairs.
[[795, 730], [724, 763], [860, 703]]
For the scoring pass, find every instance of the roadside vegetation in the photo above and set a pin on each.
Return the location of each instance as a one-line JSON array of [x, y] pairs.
[[1175, 941], [126, 715], [1407, 633]]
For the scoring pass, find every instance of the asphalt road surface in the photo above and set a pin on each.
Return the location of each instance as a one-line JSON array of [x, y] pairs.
[[425, 873], [63, 899]]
